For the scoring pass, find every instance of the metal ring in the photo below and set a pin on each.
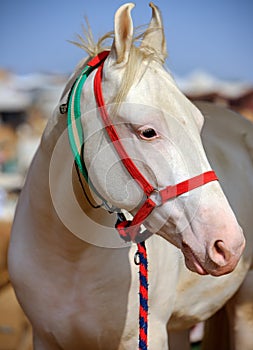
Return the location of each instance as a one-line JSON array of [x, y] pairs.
[[137, 260], [155, 196], [63, 108]]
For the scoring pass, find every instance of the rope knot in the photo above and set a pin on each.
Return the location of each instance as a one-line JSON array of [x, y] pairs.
[[122, 228], [130, 232]]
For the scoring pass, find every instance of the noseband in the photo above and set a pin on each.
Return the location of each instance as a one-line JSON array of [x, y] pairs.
[[128, 230]]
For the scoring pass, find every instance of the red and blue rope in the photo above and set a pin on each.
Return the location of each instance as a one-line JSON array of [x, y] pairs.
[[143, 296]]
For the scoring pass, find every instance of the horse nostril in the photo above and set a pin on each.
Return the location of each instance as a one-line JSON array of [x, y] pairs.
[[221, 254]]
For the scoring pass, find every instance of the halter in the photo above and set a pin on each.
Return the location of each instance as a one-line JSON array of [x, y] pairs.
[[129, 230]]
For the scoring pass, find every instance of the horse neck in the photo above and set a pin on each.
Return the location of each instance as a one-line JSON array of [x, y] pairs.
[[89, 202], [65, 191]]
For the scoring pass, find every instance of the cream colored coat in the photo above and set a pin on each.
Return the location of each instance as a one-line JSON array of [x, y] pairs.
[[75, 279]]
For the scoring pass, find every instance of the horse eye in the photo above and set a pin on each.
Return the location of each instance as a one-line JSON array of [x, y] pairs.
[[148, 133]]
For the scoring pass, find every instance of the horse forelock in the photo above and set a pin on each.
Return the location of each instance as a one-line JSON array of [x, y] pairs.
[[138, 54], [86, 42]]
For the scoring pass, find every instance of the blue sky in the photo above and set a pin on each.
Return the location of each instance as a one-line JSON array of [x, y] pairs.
[[215, 36]]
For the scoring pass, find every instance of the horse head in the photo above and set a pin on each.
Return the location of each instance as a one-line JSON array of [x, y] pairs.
[[160, 130]]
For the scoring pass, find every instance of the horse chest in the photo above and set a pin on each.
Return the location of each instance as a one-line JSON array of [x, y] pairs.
[[81, 304], [199, 297]]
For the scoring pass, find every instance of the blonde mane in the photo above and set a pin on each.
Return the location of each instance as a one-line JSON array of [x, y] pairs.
[[136, 57]]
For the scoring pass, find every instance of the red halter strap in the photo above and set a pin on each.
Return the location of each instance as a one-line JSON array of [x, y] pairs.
[[170, 192], [130, 230], [112, 133]]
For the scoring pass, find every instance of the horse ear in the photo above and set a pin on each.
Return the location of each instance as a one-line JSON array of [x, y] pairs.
[[123, 28], [154, 37]]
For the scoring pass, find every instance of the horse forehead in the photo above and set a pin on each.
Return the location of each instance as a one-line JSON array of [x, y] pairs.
[[158, 101], [157, 89]]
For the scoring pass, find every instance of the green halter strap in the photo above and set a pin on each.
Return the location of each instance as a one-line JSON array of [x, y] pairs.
[[75, 129]]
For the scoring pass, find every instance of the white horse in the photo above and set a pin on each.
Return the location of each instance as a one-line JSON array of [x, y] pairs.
[[74, 277], [228, 140]]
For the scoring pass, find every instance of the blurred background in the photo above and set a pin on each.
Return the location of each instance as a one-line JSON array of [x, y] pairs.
[[210, 55]]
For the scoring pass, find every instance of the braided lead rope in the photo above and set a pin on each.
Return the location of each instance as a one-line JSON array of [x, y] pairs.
[[143, 295]]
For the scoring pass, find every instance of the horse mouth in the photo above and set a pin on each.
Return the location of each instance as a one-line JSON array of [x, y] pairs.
[[191, 261]]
